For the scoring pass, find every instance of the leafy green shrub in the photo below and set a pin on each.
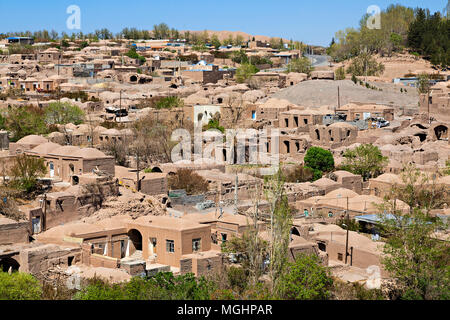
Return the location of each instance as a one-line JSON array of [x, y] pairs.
[[340, 73], [245, 71], [169, 103], [306, 279], [63, 113], [320, 159], [19, 286]]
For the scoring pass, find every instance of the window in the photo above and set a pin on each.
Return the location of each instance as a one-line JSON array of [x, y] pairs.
[[224, 237], [340, 257], [196, 245], [170, 246]]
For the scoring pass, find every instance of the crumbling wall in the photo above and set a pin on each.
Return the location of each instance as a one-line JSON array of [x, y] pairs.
[[39, 260], [15, 232]]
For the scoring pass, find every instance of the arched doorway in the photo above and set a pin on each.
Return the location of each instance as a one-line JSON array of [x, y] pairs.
[[294, 231], [7, 263], [52, 169], [441, 132], [135, 241], [422, 136]]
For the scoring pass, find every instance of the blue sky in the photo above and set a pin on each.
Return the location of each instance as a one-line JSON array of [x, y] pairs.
[[313, 22]]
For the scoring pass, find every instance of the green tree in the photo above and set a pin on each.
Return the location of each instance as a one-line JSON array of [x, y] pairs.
[[281, 220], [19, 286], [301, 65], [214, 124], [306, 279], [365, 65], [413, 255], [239, 57], [245, 71], [215, 41], [169, 103], [162, 286], [25, 120], [423, 83], [63, 113], [25, 172], [365, 160], [134, 55], [340, 73], [320, 160]]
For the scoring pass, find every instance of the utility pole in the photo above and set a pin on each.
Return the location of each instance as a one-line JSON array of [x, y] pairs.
[[339, 100], [346, 241], [45, 213], [138, 181], [236, 194]]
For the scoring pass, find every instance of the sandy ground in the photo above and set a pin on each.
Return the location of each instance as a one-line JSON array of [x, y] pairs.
[[398, 66], [111, 275], [316, 93]]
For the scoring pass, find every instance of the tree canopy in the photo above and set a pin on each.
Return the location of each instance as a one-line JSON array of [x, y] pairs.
[[365, 160], [320, 160], [63, 113]]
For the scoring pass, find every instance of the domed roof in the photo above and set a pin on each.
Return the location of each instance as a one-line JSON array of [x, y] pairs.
[[45, 148], [65, 151], [342, 193], [324, 182], [32, 139], [89, 153], [389, 178]]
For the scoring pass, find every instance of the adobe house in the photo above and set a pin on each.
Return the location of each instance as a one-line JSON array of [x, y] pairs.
[[360, 111], [149, 242], [335, 135], [437, 104], [271, 79], [204, 74], [295, 119], [26, 143], [285, 57], [49, 56], [348, 180], [12, 231], [293, 144], [362, 251], [382, 185], [322, 75], [68, 163], [152, 183], [327, 185], [341, 201], [21, 58]]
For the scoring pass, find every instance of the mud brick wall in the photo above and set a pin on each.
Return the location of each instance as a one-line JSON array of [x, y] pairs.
[[134, 269], [185, 266], [203, 266], [14, 233], [38, 260]]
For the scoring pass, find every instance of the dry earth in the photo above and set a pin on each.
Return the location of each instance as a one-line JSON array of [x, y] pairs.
[[316, 93]]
